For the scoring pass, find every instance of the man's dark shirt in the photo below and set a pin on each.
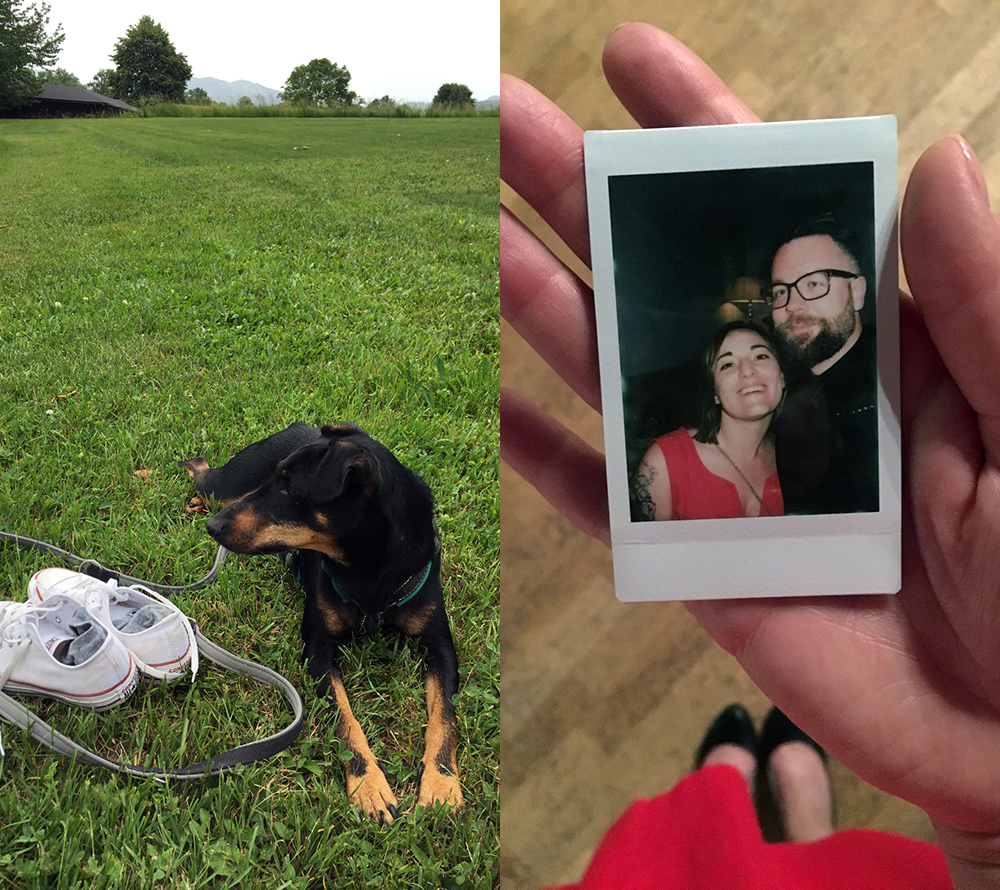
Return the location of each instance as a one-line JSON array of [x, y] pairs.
[[826, 437]]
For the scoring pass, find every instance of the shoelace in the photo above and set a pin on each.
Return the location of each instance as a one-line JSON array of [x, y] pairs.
[[14, 617], [111, 589]]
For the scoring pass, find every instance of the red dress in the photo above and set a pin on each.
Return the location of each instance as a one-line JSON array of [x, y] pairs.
[[697, 493], [703, 835]]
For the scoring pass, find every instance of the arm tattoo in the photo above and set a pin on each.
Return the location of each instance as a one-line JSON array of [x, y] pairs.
[[640, 491]]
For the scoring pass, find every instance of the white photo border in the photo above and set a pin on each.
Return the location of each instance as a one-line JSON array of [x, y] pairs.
[[846, 553]]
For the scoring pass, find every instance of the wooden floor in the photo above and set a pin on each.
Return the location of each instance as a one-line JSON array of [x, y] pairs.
[[604, 702]]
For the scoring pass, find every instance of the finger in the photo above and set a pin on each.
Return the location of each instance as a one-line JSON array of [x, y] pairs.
[[921, 367], [663, 84], [659, 80], [956, 515], [951, 251], [541, 158], [550, 307], [567, 472]]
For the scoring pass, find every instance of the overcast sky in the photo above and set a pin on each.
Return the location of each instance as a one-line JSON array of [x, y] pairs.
[[404, 49]]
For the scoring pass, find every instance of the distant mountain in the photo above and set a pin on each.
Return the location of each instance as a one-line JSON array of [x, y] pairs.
[[231, 92]]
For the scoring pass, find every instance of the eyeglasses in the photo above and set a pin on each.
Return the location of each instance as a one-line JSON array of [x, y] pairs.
[[811, 286]]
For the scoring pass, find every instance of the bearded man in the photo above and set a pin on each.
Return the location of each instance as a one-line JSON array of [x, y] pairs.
[[827, 434]]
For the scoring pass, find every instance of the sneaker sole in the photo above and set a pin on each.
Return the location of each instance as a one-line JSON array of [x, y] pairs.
[[169, 673], [97, 701]]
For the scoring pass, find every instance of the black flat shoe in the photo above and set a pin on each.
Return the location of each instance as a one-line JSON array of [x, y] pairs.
[[733, 726], [777, 730]]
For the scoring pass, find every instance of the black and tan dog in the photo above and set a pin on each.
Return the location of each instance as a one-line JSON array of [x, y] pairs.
[[361, 530]]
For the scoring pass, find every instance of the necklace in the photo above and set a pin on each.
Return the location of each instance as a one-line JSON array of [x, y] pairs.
[[753, 490]]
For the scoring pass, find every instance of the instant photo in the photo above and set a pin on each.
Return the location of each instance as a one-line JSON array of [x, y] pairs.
[[747, 317]]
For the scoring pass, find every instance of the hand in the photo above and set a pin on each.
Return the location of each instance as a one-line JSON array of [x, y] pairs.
[[904, 690]]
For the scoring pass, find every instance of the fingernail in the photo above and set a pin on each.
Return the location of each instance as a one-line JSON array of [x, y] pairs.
[[619, 27], [972, 165]]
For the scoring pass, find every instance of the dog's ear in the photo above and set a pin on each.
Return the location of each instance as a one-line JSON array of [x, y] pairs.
[[342, 471]]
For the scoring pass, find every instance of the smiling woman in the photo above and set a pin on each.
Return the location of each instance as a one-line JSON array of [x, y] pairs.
[[725, 468]]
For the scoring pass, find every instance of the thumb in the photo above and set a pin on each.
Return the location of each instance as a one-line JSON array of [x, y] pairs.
[[951, 253]]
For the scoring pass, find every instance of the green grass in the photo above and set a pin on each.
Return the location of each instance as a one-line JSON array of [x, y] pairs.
[[175, 287]]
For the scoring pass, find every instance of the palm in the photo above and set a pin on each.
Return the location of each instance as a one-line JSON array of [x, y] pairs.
[[904, 689]]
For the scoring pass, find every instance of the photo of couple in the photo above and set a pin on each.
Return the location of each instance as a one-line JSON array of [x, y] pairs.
[[749, 384]]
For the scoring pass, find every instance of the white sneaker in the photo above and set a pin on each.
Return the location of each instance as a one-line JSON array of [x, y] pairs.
[[58, 650], [152, 628]]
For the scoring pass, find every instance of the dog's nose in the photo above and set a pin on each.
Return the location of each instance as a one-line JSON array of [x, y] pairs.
[[217, 526]]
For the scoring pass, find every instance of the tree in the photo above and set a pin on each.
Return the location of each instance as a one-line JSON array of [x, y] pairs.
[[58, 76], [102, 83], [148, 66], [24, 45], [321, 82], [454, 95], [386, 103], [197, 96]]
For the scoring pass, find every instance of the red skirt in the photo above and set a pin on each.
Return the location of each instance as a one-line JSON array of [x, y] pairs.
[[704, 835]]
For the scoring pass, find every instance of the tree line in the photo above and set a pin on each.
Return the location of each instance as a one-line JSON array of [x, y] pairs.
[[149, 69]]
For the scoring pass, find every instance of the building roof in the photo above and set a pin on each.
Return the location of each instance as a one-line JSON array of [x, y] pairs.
[[57, 93]]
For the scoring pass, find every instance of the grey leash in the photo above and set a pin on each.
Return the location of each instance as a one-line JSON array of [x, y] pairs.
[[96, 570], [22, 717]]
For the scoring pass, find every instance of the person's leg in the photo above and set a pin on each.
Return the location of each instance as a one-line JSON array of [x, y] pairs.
[[734, 756], [800, 783]]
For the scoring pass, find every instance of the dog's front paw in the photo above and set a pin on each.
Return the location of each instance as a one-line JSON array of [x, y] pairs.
[[440, 787], [372, 795]]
